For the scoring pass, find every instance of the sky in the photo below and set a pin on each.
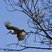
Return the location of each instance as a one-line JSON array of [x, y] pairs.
[[19, 19]]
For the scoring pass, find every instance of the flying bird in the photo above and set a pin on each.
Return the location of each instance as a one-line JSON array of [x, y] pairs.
[[14, 30]]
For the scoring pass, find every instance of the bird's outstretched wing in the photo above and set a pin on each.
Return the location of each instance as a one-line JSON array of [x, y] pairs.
[[10, 26]]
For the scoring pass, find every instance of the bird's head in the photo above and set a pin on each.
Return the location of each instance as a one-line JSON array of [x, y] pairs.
[[23, 30], [21, 35]]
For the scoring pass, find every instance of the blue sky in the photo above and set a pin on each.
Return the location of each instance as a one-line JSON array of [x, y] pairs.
[[19, 20]]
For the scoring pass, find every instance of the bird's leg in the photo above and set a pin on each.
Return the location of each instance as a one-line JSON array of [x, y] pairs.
[[24, 42], [8, 32]]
